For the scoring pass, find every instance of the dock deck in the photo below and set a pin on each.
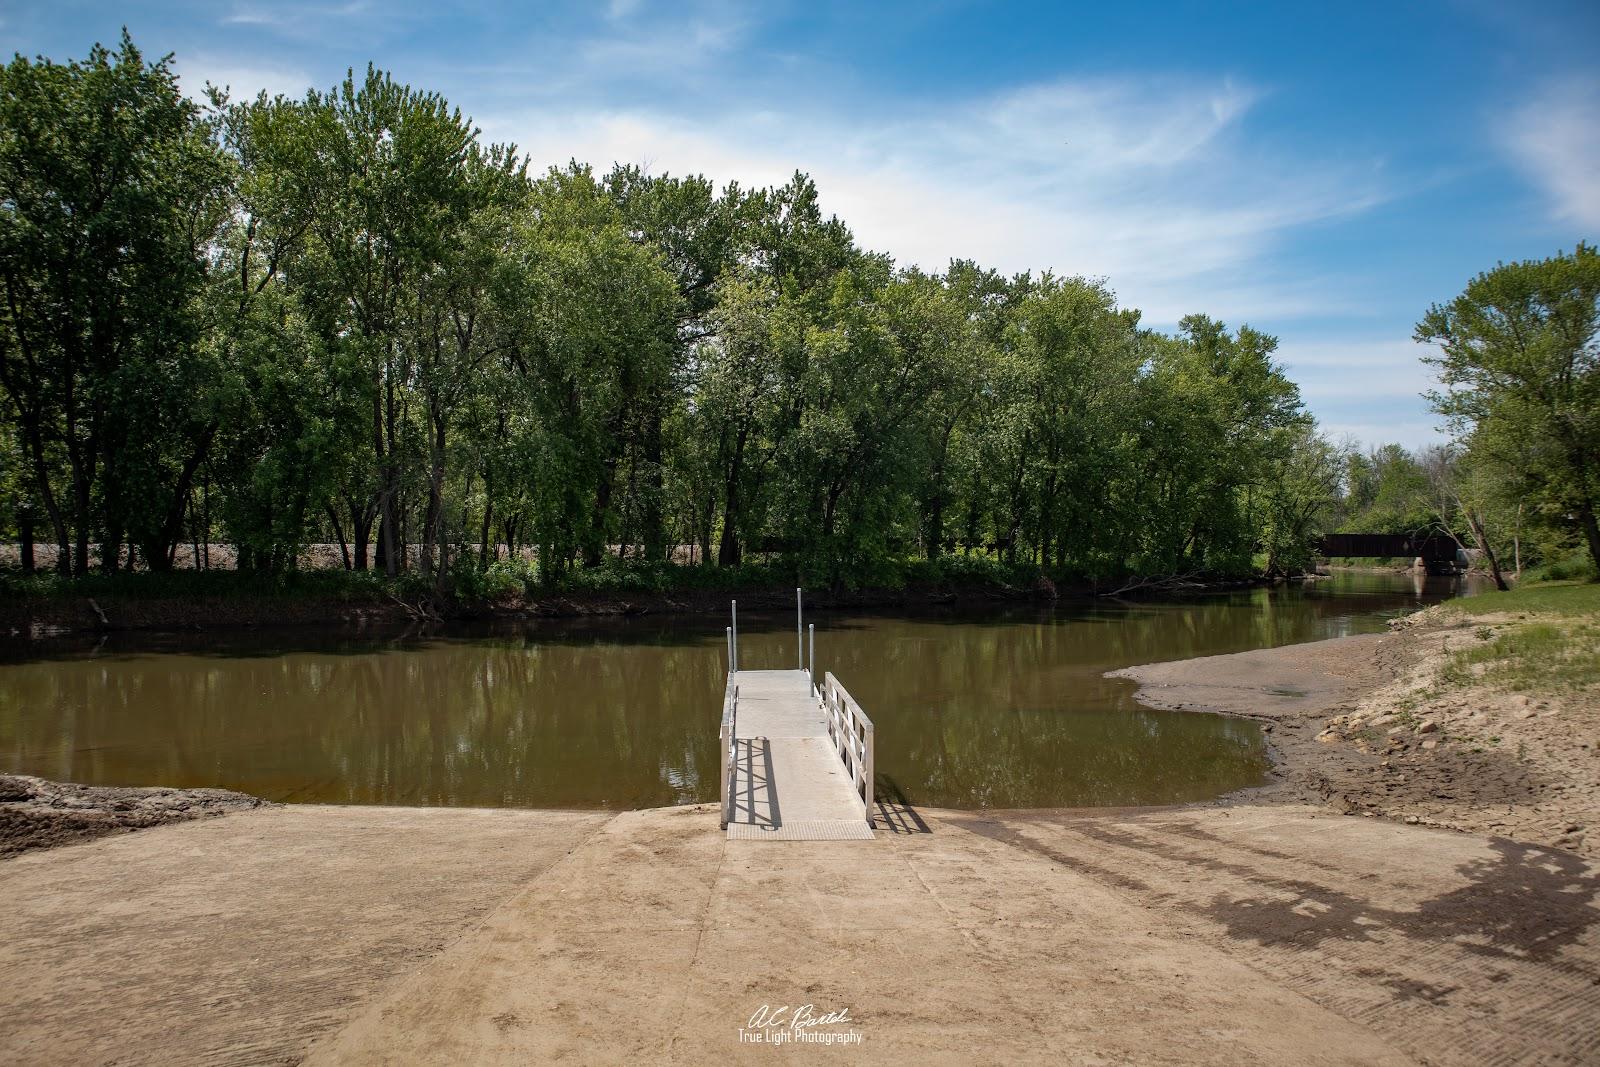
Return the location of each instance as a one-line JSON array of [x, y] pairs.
[[788, 781]]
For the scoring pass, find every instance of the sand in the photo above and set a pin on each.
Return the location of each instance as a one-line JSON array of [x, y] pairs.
[[1196, 936], [1360, 724]]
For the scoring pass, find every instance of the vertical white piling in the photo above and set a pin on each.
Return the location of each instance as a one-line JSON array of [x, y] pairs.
[[734, 629]]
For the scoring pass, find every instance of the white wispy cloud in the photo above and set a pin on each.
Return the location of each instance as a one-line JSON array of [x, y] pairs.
[[1148, 182], [658, 48], [356, 24], [1369, 388], [243, 80], [1554, 138], [253, 16]]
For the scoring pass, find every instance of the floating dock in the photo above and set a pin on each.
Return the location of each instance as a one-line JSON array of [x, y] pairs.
[[797, 757]]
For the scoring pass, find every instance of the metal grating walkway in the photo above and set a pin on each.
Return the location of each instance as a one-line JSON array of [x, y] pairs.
[[803, 830], [788, 781]]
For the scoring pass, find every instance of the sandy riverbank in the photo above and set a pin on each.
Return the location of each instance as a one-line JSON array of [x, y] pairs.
[[1363, 725], [1212, 935]]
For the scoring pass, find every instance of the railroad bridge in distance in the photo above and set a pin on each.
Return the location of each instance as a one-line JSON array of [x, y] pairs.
[[1440, 553]]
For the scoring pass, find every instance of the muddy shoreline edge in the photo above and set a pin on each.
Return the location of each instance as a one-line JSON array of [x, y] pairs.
[[1359, 725], [33, 618]]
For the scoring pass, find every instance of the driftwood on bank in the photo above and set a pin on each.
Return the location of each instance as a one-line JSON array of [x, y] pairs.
[[1157, 583], [422, 611]]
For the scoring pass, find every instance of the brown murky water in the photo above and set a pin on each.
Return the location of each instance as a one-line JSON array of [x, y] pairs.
[[997, 708]]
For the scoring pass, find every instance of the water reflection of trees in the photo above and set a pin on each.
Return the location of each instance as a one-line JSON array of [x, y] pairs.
[[464, 723], [1006, 708]]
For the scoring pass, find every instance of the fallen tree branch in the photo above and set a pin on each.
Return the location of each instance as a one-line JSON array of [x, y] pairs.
[[1158, 582], [421, 611]]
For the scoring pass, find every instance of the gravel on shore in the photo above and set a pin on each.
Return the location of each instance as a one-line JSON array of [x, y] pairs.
[[35, 813], [1365, 726]]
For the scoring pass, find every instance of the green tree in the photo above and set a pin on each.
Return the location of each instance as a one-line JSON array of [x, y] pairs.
[[1520, 371], [384, 169], [1298, 499], [111, 192], [596, 339]]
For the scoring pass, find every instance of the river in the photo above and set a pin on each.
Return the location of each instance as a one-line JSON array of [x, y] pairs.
[[974, 706]]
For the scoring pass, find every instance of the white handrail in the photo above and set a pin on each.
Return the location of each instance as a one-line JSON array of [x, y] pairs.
[[728, 741], [852, 734]]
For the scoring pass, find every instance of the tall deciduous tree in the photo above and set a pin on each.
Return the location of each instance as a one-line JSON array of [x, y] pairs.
[[385, 167], [110, 196], [1520, 368]]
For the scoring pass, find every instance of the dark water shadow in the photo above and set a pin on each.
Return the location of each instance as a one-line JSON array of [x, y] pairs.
[[895, 813]]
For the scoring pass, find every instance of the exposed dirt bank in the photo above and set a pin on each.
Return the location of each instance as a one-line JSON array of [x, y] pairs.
[[1365, 726], [40, 618], [35, 813], [44, 617], [1246, 935]]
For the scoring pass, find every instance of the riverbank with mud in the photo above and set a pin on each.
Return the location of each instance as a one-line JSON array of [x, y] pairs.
[[1368, 726], [37, 814], [27, 617]]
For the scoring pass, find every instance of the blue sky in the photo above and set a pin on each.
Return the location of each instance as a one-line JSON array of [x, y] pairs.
[[1321, 176]]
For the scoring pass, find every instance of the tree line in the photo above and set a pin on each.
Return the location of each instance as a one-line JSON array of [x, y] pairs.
[[1518, 355], [345, 319]]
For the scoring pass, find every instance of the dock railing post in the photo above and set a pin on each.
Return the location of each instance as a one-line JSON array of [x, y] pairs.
[[869, 743], [734, 630], [727, 741], [799, 646], [729, 629], [811, 669]]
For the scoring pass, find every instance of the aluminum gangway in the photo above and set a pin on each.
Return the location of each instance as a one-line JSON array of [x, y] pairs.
[[797, 755]]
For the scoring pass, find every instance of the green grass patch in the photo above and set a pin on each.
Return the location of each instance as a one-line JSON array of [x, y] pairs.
[[1531, 657], [1533, 598]]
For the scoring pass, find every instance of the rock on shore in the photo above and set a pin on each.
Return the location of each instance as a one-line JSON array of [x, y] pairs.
[[35, 813]]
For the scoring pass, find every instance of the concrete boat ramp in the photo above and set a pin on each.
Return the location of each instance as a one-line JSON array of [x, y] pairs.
[[1200, 937]]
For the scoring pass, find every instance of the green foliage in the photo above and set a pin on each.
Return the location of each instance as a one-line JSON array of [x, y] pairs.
[[499, 580], [1574, 568], [1386, 491], [1520, 370], [111, 192], [344, 319]]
